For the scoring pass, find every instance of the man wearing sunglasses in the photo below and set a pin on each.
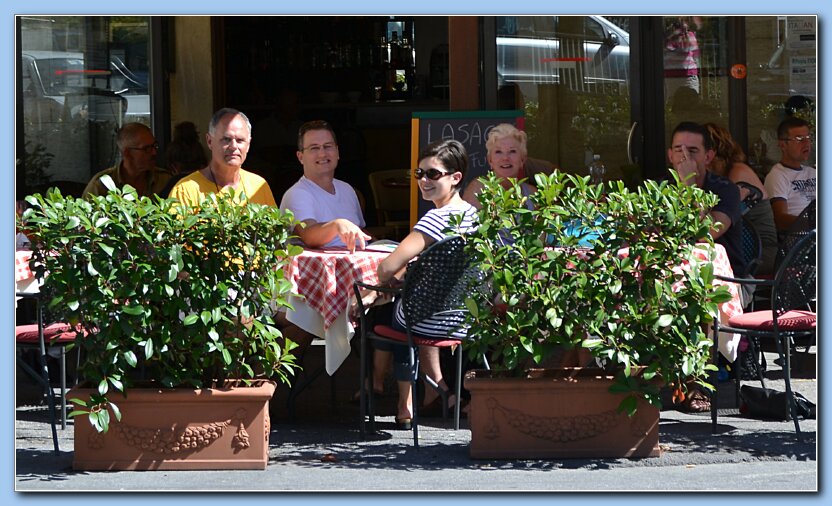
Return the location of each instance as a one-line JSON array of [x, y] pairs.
[[791, 185], [328, 207], [137, 168]]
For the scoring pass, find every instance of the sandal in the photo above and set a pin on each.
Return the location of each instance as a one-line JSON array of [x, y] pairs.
[[696, 402]]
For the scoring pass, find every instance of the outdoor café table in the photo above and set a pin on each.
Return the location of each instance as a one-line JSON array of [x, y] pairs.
[[24, 278], [728, 342], [322, 280], [27, 285]]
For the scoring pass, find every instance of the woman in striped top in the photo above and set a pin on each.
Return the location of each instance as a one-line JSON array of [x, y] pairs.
[[440, 175]]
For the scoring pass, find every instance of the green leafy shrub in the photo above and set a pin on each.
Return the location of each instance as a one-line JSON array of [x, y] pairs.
[[167, 294], [612, 285]]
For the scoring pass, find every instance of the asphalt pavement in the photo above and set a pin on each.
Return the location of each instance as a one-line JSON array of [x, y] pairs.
[[320, 449]]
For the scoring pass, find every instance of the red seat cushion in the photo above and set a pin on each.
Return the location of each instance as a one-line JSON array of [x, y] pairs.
[[396, 335], [761, 320], [57, 333]]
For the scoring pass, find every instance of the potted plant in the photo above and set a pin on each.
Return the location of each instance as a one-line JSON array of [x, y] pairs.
[[175, 304], [594, 271]]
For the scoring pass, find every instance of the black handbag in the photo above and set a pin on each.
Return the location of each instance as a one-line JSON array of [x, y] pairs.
[[766, 403]]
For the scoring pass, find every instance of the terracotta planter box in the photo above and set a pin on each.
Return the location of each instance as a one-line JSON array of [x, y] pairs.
[[224, 428], [559, 413]]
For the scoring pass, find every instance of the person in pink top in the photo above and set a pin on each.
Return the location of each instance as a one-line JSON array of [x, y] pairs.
[[681, 55]]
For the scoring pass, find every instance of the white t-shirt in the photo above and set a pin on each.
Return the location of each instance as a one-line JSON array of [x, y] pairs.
[[798, 187], [308, 201]]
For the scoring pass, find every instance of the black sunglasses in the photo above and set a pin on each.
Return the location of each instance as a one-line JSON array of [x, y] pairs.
[[433, 174]]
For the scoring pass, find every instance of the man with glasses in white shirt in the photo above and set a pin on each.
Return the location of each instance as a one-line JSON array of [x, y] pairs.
[[137, 168], [791, 185], [328, 207]]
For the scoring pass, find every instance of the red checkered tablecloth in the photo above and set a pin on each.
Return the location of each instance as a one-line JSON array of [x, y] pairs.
[[21, 265], [325, 277], [728, 343]]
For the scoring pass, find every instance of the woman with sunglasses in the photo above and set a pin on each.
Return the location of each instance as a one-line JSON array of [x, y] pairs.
[[506, 154], [441, 171]]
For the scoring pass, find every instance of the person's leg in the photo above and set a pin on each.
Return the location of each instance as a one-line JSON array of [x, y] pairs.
[[381, 366], [429, 364], [403, 374], [404, 407]]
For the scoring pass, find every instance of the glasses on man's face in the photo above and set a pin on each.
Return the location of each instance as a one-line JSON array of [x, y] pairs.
[[799, 138], [147, 149], [317, 148], [431, 173]]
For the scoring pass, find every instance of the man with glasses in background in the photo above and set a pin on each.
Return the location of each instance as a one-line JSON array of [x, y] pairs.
[[328, 207], [791, 185], [137, 168]]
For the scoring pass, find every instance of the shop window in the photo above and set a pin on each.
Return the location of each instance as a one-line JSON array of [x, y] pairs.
[[81, 79]]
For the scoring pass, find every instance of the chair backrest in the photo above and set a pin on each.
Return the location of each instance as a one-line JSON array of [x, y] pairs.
[[786, 242], [438, 281], [752, 199], [806, 220], [752, 248], [795, 283], [390, 195]]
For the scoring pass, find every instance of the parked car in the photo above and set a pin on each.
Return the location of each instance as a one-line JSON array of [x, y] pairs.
[[57, 75], [584, 53]]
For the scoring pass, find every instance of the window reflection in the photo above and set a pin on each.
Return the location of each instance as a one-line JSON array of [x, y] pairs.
[[76, 94], [571, 77]]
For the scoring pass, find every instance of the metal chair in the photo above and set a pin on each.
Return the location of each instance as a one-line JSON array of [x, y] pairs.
[[752, 199], [435, 284], [792, 314], [752, 248], [38, 335]]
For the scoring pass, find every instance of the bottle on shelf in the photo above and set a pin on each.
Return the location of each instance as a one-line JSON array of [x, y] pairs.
[[597, 170], [406, 51], [383, 55], [395, 51]]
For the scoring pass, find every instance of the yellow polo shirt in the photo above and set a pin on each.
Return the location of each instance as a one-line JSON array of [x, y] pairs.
[[193, 188]]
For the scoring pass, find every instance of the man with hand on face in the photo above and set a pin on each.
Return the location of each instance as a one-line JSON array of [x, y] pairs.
[[228, 139], [691, 150], [327, 207], [791, 184]]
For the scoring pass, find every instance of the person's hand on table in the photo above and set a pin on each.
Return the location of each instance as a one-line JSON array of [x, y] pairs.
[[351, 235]]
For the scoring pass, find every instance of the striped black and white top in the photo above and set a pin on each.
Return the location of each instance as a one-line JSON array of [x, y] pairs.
[[434, 224]]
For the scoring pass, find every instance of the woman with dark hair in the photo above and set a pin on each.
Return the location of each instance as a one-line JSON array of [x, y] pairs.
[[441, 171], [730, 162]]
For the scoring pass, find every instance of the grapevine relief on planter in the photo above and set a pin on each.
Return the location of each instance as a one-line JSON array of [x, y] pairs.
[[563, 429], [171, 440]]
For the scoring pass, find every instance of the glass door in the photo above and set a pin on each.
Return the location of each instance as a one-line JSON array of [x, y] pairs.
[[79, 80], [782, 81], [695, 68], [570, 75]]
